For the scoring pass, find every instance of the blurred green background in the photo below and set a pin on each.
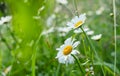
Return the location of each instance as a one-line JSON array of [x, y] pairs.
[[31, 18]]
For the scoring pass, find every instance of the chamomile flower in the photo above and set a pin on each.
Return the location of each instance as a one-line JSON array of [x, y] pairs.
[[65, 51], [77, 21], [96, 37]]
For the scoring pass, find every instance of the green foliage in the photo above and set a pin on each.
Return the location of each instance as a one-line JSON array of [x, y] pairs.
[[29, 20]]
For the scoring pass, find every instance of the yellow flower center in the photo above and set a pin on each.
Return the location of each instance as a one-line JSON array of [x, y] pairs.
[[67, 50], [78, 24]]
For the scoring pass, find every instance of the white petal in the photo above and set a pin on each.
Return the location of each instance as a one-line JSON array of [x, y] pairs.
[[96, 37], [68, 41], [61, 47], [74, 52], [69, 24], [70, 59], [76, 44], [62, 59], [59, 54]]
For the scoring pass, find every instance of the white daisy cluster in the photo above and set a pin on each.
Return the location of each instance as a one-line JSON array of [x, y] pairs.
[[5, 19], [65, 51]]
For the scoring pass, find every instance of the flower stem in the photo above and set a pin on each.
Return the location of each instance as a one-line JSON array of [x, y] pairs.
[[58, 69], [6, 43], [78, 62], [33, 63], [12, 34], [90, 43], [76, 9], [115, 40], [34, 55]]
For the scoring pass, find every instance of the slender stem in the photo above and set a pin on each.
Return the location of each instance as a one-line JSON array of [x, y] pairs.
[[78, 62], [76, 9], [34, 55], [58, 69], [12, 34], [33, 63], [6, 43], [90, 43], [84, 47], [71, 13], [114, 11]]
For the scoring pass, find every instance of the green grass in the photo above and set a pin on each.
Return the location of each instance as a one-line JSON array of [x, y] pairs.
[[30, 53]]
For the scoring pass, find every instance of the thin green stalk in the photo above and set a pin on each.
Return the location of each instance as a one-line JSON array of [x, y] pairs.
[[12, 34], [33, 63], [71, 13], [84, 47], [115, 47], [90, 43], [58, 69], [102, 69], [6, 43], [76, 9], [34, 55], [78, 62]]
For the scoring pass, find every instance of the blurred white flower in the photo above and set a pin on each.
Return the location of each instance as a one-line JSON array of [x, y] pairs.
[[50, 19], [90, 32], [90, 13], [87, 69], [65, 51], [57, 9], [62, 1], [80, 31], [46, 32], [63, 30], [77, 21], [6, 71], [5, 19], [90, 70], [96, 37], [100, 10]]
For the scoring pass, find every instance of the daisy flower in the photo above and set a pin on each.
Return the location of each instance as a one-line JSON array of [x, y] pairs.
[[64, 52], [96, 37], [77, 21]]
